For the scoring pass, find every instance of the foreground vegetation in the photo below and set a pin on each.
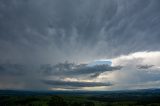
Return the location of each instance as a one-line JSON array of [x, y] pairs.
[[96, 99]]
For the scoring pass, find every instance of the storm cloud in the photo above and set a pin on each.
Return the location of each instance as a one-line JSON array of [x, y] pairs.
[[37, 35], [71, 69], [44, 31]]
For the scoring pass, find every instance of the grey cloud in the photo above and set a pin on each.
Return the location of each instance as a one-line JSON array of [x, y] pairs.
[[30, 77], [13, 69], [144, 66], [44, 31], [71, 69], [18, 76], [75, 83], [94, 75], [52, 31], [94, 69]]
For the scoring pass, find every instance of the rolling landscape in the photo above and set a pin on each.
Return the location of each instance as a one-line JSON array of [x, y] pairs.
[[145, 97]]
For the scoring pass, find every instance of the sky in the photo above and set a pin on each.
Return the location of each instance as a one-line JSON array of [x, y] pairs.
[[79, 44]]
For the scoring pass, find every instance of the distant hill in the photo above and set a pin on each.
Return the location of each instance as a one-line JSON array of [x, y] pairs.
[[29, 92]]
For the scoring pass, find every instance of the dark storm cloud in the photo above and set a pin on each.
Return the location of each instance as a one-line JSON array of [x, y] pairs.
[[30, 77], [75, 84], [18, 76], [34, 32], [44, 31], [94, 69], [71, 69], [12, 69]]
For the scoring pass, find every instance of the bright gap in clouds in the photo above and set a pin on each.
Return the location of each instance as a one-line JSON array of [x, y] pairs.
[[140, 70], [100, 62]]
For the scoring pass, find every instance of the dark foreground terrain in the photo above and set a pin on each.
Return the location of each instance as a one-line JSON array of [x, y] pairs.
[[113, 98]]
